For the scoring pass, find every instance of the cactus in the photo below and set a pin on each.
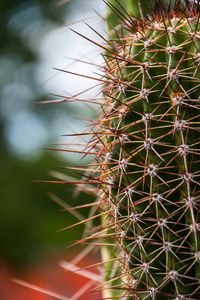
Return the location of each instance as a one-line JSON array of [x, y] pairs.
[[146, 141]]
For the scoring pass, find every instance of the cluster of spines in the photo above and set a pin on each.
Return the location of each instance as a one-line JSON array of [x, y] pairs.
[[146, 145], [151, 152]]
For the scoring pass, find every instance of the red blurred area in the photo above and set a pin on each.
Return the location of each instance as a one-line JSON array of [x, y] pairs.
[[48, 276]]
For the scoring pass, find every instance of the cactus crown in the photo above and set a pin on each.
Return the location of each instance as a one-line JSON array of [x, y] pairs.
[[147, 140]]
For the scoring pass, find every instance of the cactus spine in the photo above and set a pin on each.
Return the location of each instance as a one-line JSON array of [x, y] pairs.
[[147, 141]]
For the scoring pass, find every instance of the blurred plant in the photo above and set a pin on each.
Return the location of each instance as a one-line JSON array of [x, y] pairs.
[[28, 220]]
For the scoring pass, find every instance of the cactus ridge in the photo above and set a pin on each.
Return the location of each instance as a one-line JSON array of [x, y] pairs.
[[147, 157]]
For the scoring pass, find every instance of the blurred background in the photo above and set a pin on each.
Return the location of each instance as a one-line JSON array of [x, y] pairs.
[[34, 39]]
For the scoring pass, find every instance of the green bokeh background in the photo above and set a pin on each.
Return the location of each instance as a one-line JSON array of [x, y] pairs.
[[29, 219]]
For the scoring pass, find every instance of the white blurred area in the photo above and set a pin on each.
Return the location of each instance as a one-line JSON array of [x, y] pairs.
[[61, 43], [26, 132]]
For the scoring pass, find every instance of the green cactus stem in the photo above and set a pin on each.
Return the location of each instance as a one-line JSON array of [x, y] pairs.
[[146, 142], [150, 154]]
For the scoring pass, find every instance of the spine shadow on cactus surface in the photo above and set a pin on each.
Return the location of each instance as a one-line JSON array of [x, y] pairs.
[[147, 156]]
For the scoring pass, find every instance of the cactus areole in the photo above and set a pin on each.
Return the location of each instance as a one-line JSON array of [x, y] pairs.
[[147, 141]]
